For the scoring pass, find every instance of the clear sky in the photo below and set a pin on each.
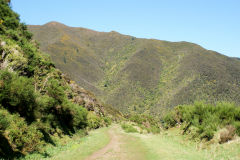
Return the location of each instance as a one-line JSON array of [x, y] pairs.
[[213, 24]]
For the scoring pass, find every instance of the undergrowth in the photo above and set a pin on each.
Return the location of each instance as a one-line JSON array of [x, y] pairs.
[[202, 121], [128, 128]]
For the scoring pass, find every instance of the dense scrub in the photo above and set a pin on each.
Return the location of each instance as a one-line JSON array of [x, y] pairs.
[[37, 102], [202, 121]]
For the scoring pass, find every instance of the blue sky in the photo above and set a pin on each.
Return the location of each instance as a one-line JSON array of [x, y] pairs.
[[214, 24]]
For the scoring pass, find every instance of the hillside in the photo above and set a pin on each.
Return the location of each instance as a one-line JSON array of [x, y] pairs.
[[140, 75], [38, 103]]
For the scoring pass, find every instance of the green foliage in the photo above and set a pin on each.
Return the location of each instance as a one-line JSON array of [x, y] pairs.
[[3, 119], [145, 122], [73, 115], [155, 129], [17, 135], [237, 126], [107, 120], [17, 94], [128, 128], [203, 120], [169, 119], [55, 90], [10, 19], [141, 118], [11, 29], [94, 121], [10, 25], [53, 112], [36, 100]]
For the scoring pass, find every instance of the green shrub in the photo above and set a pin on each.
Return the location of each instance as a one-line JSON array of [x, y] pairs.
[[55, 90], [203, 120], [128, 128], [139, 119], [236, 124], [3, 120], [72, 115], [17, 135], [94, 121], [54, 112], [155, 129], [107, 120], [79, 116], [17, 94], [169, 120], [145, 122]]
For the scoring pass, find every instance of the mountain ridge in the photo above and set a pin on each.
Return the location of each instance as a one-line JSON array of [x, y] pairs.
[[150, 75], [59, 24]]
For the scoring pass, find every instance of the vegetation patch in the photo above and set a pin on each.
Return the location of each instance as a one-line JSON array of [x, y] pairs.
[[129, 128], [145, 123], [202, 120], [38, 103]]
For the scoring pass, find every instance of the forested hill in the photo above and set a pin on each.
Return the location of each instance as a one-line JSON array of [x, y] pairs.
[[140, 75]]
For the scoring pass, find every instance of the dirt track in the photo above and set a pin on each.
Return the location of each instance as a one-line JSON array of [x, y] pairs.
[[117, 148]]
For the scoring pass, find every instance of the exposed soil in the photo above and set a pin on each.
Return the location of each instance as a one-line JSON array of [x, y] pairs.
[[117, 148]]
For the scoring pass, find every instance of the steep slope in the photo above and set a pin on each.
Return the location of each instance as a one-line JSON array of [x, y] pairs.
[[38, 103], [140, 75]]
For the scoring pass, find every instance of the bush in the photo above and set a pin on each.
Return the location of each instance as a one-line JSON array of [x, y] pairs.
[[146, 122], [107, 120], [54, 112], [17, 135], [56, 90], [71, 116], [17, 94], [169, 120], [236, 124], [79, 116], [128, 128], [94, 121], [155, 130], [3, 120], [203, 120]]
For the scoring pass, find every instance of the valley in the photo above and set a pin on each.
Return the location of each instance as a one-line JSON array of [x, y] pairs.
[[75, 93]]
